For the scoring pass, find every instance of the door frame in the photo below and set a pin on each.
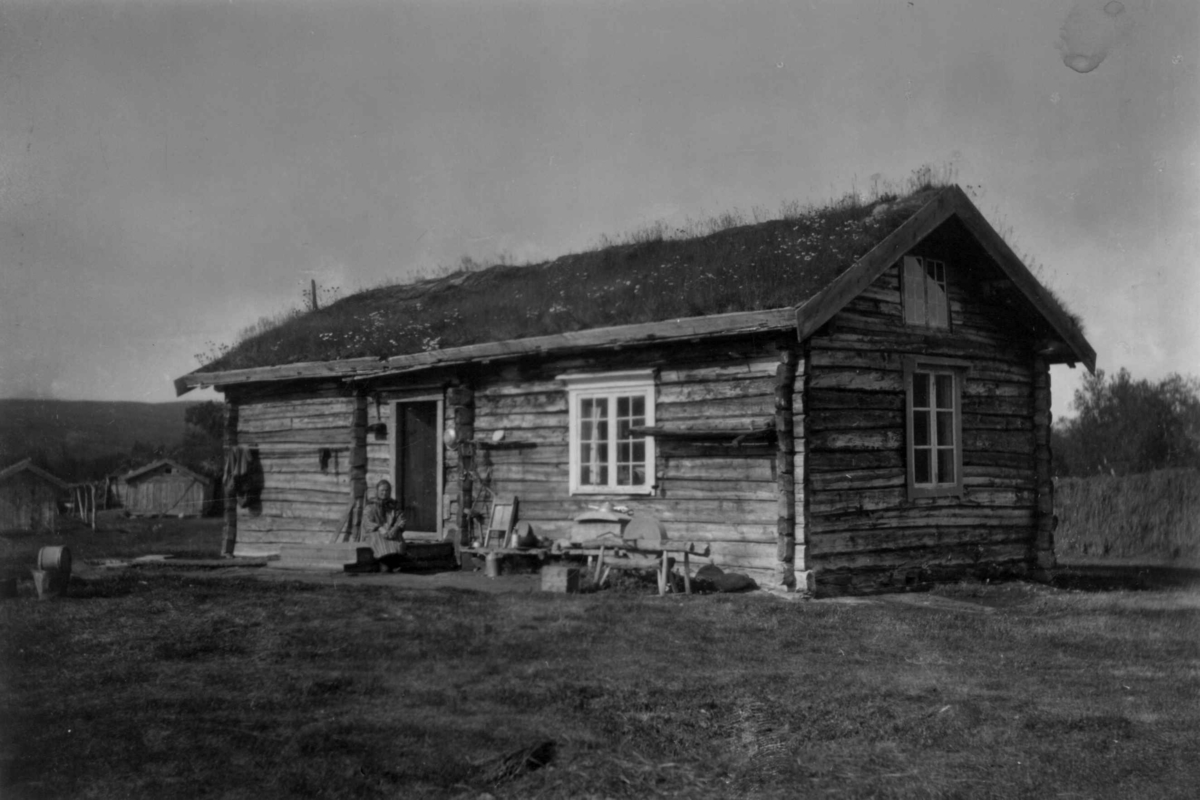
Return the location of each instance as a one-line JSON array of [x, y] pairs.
[[394, 447]]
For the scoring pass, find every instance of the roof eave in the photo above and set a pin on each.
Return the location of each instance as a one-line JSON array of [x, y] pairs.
[[616, 337]]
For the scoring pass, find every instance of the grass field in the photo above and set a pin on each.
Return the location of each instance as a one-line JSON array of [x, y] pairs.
[[151, 682]]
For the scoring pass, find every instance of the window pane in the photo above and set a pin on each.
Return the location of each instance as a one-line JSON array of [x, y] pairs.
[[639, 451], [624, 452], [945, 391], [623, 474], [921, 428], [623, 406], [945, 462], [921, 466], [921, 389], [945, 428], [639, 409]]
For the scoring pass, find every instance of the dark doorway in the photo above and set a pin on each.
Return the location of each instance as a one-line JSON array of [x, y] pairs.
[[417, 464]]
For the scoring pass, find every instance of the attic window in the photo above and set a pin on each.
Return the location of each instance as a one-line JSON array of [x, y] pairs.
[[606, 456], [925, 299]]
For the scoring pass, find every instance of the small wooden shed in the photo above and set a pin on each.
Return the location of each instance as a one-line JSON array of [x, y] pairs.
[[29, 497], [166, 487]]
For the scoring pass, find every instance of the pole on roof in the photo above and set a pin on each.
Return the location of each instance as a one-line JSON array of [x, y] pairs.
[[313, 296]]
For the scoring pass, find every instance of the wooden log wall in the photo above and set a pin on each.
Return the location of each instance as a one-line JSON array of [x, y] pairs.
[[1043, 544], [298, 502], [864, 533], [712, 494]]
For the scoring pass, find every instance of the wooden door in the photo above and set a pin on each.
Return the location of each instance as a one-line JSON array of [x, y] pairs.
[[417, 449]]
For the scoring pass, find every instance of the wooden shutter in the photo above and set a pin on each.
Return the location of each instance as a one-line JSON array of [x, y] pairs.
[[914, 291]]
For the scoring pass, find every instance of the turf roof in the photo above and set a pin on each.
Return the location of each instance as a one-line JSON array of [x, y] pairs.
[[769, 265]]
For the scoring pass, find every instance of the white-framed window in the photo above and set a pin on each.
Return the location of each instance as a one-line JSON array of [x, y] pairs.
[[606, 456], [925, 299], [933, 410]]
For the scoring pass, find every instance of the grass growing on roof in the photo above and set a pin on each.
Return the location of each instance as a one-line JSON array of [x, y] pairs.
[[650, 277]]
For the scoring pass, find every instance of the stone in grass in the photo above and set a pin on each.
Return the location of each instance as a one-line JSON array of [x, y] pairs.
[[712, 578]]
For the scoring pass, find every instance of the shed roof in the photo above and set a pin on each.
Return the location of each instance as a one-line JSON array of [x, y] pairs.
[[27, 465], [769, 276], [142, 472]]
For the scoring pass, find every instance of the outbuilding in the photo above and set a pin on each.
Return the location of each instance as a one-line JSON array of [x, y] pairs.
[[165, 487], [29, 498], [849, 399]]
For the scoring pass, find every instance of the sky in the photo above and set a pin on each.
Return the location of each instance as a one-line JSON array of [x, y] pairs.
[[172, 172]]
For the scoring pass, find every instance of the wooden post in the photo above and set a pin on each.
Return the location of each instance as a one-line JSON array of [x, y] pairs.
[[313, 297], [229, 532], [358, 465], [92, 502], [461, 400], [785, 377], [1043, 538]]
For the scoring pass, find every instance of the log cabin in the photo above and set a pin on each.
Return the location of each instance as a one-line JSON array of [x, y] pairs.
[[850, 399], [29, 497], [165, 487]]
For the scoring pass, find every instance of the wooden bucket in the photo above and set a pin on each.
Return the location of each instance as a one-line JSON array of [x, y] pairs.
[[54, 559]]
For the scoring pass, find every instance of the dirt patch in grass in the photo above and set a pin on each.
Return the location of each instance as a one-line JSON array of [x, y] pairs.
[[149, 683]]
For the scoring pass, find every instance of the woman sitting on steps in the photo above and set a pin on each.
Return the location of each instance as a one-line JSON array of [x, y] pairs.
[[384, 523]]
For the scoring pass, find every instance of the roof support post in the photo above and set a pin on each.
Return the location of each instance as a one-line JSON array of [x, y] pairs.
[[358, 465], [229, 487], [461, 400]]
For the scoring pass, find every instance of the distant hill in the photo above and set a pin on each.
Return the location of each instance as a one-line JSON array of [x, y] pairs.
[[82, 430]]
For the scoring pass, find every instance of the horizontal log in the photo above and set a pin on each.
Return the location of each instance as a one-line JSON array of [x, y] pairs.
[[515, 422], [912, 538], [678, 448], [675, 489], [326, 437], [998, 441], [280, 494], [295, 510], [890, 439], [920, 517], [725, 512], [310, 481], [715, 390], [923, 557], [732, 370], [847, 419], [986, 459], [538, 436], [835, 399], [822, 503], [735, 407], [848, 461], [857, 479], [286, 536], [267, 524], [302, 403], [495, 391], [716, 469], [533, 402]]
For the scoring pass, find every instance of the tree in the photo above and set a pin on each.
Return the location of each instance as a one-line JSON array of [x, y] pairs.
[[203, 440], [1126, 426]]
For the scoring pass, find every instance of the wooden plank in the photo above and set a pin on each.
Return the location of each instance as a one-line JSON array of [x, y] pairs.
[[949, 555]]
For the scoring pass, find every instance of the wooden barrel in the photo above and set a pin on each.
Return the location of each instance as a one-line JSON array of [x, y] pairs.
[[54, 559]]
